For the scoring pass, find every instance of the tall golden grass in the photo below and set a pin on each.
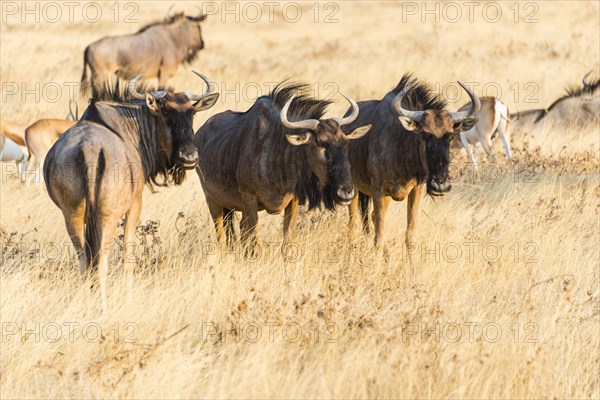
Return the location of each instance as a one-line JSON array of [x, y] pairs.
[[502, 298]]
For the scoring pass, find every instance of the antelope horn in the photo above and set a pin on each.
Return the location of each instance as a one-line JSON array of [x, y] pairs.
[[311, 124], [196, 97], [350, 118], [460, 116], [416, 116], [585, 82]]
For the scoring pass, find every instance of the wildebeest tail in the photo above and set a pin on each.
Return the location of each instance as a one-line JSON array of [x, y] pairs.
[[91, 187]]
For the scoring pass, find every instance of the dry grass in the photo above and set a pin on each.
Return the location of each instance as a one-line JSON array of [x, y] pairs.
[[336, 319]]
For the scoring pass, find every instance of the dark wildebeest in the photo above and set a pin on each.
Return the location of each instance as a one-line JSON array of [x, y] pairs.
[[96, 171], [579, 106], [406, 153], [275, 156], [156, 50]]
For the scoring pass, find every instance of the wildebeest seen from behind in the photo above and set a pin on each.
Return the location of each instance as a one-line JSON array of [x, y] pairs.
[[96, 171], [157, 50], [277, 155], [407, 151]]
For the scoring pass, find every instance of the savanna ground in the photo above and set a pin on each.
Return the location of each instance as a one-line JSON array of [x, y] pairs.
[[503, 300]]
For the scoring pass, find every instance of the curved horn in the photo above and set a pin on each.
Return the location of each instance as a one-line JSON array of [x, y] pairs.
[[416, 116], [196, 97], [131, 87], [585, 82], [460, 116], [311, 124], [199, 14], [169, 11], [350, 118]]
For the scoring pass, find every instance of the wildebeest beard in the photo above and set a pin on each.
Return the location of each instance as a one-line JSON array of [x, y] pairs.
[[437, 154]]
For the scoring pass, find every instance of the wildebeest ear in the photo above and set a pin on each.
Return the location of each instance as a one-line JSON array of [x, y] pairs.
[[298, 140], [408, 123], [359, 132], [152, 103], [206, 102], [465, 125]]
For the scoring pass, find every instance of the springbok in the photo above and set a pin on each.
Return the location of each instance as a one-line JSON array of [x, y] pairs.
[[14, 132], [493, 118], [11, 151], [41, 135], [96, 172]]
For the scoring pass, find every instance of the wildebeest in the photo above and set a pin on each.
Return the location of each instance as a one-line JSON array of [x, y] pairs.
[[277, 155], [13, 131], [95, 173], [493, 119], [577, 107], [41, 135], [156, 50], [407, 151]]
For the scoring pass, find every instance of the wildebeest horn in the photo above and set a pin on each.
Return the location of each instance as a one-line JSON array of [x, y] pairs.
[[131, 87], [585, 82], [397, 104], [311, 124], [169, 11], [71, 116], [350, 118], [196, 97], [460, 116], [200, 14]]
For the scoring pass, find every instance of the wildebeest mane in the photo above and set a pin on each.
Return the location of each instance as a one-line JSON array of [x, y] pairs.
[[307, 188], [118, 91], [420, 96], [166, 21], [576, 92], [154, 165]]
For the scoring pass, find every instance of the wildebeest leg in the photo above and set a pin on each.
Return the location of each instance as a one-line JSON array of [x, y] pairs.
[[380, 205], [353, 213], [131, 221], [216, 212], [74, 223], [412, 212], [249, 224], [108, 227], [363, 202], [228, 222], [289, 222]]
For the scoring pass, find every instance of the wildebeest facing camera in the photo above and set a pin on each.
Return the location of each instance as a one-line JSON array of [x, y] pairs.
[[329, 199]]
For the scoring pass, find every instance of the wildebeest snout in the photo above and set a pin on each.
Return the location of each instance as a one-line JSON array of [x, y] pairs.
[[188, 155], [345, 194]]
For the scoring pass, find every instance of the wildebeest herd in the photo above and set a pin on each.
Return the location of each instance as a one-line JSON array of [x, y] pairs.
[[277, 156]]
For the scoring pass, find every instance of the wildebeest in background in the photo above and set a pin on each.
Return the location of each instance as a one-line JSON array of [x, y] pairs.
[[156, 50], [406, 153], [41, 135], [265, 159], [15, 132], [11, 151], [578, 107], [494, 118], [95, 173]]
